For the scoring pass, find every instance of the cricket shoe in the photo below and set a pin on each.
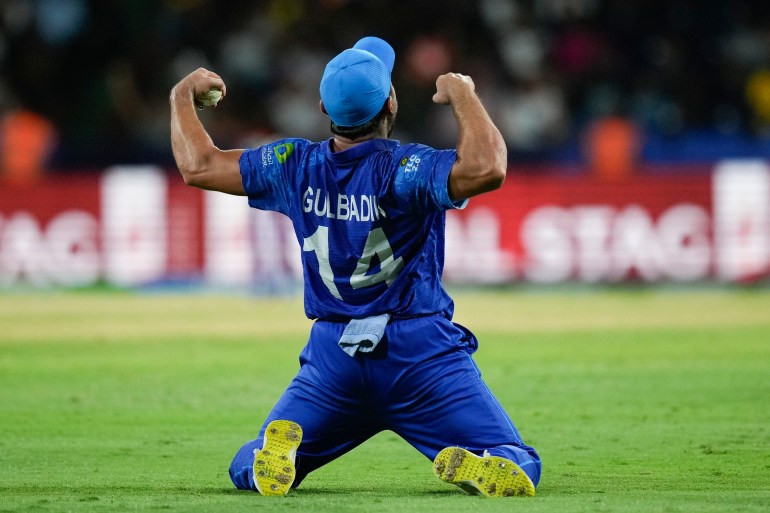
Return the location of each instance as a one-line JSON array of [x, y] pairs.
[[492, 476], [274, 470]]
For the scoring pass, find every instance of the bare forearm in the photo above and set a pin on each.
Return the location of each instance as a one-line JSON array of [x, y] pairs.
[[482, 156], [200, 162], [191, 144]]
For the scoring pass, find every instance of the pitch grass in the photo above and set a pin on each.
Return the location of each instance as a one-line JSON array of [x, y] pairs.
[[637, 401]]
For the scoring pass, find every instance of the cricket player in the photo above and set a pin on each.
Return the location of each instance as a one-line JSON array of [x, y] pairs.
[[368, 214]]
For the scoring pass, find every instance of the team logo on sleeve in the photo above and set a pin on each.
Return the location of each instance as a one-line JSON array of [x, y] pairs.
[[409, 164], [282, 151]]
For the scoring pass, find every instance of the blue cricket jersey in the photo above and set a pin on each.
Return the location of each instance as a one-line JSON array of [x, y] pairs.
[[369, 221]]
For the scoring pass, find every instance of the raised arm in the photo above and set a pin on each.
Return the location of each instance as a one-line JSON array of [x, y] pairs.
[[200, 162], [482, 158]]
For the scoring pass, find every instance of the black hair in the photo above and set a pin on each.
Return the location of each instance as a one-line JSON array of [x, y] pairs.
[[354, 132]]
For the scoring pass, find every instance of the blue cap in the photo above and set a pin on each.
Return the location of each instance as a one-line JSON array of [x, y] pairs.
[[356, 83]]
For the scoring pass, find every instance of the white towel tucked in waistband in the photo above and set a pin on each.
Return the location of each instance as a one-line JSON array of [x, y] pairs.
[[363, 335]]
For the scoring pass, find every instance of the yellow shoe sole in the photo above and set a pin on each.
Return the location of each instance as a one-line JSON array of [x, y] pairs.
[[492, 476], [274, 470]]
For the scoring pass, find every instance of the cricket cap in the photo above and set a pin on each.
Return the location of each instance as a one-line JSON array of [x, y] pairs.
[[356, 83]]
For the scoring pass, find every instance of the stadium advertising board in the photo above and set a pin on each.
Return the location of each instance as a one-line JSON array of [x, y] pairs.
[[136, 226]]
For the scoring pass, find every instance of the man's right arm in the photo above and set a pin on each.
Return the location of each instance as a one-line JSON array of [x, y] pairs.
[[200, 162], [482, 157]]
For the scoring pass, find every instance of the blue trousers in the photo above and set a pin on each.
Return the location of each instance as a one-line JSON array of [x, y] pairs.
[[420, 382]]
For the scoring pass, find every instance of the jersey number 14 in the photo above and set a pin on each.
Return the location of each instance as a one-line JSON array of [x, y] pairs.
[[376, 244]]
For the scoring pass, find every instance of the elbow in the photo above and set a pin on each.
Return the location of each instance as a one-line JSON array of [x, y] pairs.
[[465, 183], [190, 178], [492, 165], [190, 174], [195, 170], [496, 177], [479, 173], [500, 166], [489, 182], [493, 171]]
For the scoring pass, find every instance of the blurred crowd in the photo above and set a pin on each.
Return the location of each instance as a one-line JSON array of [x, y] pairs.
[[89, 79]]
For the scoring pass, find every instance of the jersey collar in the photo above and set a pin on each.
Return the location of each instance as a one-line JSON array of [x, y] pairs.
[[359, 150]]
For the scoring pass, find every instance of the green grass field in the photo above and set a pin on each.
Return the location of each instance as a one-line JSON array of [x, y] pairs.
[[637, 401]]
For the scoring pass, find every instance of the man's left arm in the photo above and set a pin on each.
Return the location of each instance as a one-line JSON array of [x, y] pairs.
[[200, 162], [482, 158]]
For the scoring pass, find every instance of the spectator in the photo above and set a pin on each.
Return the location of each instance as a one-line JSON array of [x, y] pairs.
[[26, 142], [550, 67]]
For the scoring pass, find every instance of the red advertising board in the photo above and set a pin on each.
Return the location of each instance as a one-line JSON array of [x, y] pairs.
[[558, 228], [49, 232], [133, 226]]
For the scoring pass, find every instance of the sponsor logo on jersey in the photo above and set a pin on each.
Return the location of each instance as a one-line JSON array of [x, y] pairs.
[[410, 164], [282, 151], [267, 156]]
